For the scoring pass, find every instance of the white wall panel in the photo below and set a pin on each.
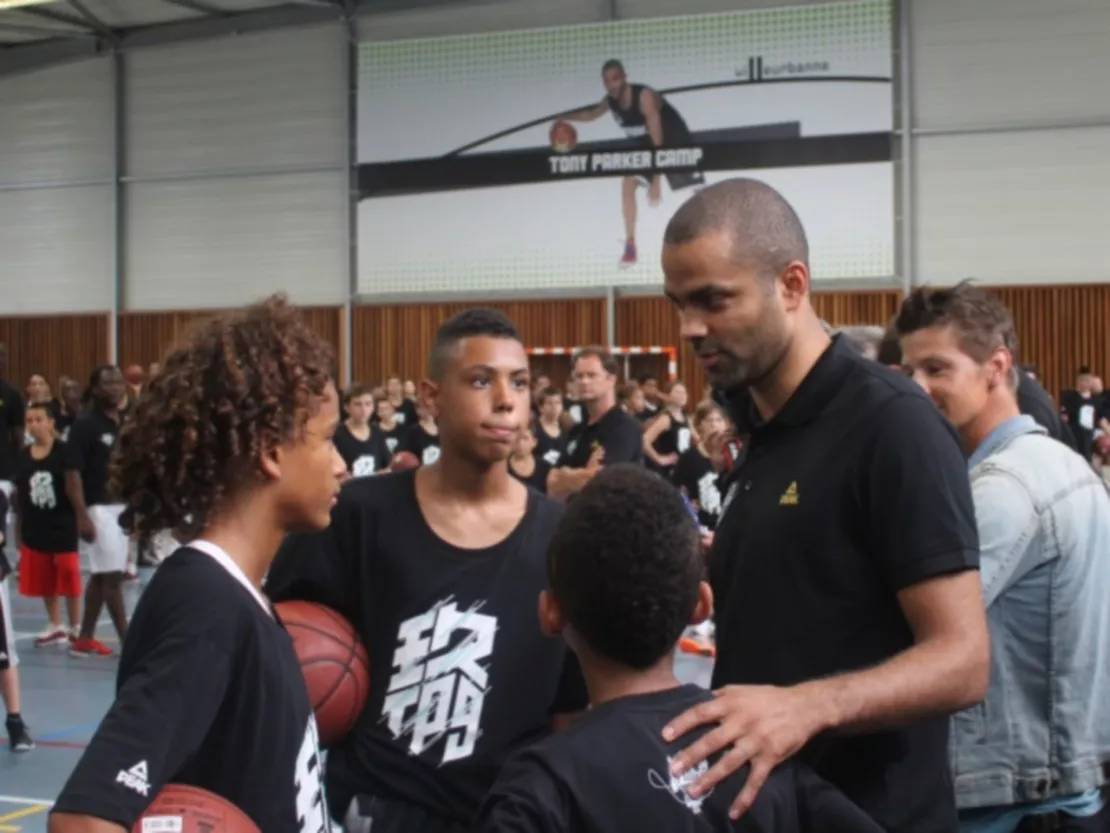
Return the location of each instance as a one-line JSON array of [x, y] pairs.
[[480, 16], [628, 9], [997, 62], [205, 243], [1027, 207], [277, 99], [56, 124], [56, 250]]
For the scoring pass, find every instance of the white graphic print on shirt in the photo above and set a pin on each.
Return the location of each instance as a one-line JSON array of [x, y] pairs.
[[312, 814], [439, 683]]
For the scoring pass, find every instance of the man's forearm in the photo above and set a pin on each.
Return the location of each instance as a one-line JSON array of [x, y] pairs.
[[563, 482], [933, 678]]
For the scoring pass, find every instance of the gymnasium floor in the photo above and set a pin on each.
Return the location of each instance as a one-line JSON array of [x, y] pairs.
[[63, 701]]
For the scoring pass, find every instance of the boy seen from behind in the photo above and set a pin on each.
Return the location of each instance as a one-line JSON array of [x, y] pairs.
[[625, 571]]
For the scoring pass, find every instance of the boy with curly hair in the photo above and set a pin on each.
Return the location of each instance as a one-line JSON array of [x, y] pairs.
[[232, 445]]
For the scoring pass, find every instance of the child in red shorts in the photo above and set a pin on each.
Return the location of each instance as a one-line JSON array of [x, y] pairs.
[[47, 524]]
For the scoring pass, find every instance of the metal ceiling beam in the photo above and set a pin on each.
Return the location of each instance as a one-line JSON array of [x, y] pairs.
[[34, 56], [44, 31], [54, 16], [94, 22], [197, 6]]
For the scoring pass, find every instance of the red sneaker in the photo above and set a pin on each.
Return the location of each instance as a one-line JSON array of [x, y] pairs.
[[89, 648], [629, 257]]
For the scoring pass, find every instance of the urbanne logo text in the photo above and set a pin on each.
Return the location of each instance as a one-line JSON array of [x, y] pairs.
[[756, 69]]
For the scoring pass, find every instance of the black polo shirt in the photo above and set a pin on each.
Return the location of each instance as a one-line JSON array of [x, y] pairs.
[[856, 489], [618, 433]]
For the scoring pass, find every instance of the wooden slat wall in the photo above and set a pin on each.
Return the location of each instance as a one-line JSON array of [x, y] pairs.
[[652, 320], [55, 345], [1061, 328], [398, 338], [144, 337]]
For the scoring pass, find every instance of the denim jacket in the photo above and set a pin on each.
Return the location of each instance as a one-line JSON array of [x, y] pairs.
[[1043, 729]]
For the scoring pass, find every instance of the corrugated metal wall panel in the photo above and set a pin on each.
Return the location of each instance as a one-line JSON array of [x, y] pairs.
[[56, 124], [277, 99], [1003, 62], [236, 171], [628, 9], [1008, 187], [1028, 207], [56, 250], [221, 242], [56, 130]]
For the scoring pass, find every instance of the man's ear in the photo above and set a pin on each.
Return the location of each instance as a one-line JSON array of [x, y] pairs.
[[704, 608], [428, 391], [552, 621]]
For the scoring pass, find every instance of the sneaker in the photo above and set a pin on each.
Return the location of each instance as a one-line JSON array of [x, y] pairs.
[[89, 648], [19, 739], [53, 635], [629, 257]]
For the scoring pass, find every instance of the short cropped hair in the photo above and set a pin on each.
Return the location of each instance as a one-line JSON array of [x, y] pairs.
[[624, 564], [979, 319], [467, 324], [608, 361], [765, 231]]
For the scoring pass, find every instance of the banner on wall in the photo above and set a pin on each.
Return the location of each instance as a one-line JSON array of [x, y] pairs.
[[554, 158]]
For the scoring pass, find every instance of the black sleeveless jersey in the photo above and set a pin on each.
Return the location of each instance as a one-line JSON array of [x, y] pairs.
[[632, 121]]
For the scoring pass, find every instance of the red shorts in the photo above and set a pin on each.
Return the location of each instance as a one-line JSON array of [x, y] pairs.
[[49, 573]]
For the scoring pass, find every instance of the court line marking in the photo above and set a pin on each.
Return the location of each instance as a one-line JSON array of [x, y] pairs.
[[22, 799], [26, 811]]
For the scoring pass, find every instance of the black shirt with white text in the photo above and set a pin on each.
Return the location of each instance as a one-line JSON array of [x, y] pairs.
[[88, 451], [47, 521]]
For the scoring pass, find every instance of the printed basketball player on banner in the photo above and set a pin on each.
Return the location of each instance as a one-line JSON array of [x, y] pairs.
[[568, 149]]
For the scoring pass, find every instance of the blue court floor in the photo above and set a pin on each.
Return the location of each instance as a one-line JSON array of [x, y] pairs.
[[64, 699]]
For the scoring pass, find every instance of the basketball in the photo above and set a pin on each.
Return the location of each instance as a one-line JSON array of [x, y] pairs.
[[403, 460], [180, 808], [334, 663], [563, 136]]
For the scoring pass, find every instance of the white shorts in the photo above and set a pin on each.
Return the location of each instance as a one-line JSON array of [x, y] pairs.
[[11, 546], [8, 656], [108, 553]]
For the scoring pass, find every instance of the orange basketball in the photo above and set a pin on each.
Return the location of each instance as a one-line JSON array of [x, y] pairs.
[[403, 460], [334, 663], [179, 808], [563, 136]]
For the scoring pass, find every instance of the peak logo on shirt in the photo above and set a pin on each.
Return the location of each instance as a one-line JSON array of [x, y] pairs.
[[790, 496], [679, 785], [136, 778], [440, 680]]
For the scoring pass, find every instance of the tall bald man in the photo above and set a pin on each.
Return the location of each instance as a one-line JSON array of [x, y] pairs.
[[850, 620]]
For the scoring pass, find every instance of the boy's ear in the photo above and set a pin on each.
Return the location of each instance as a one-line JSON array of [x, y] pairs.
[[704, 608], [552, 621]]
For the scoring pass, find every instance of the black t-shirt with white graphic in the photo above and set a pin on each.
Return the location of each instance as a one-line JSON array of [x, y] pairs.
[[537, 479], [694, 474], [63, 420], [548, 448], [363, 457], [88, 450], [617, 432], [392, 438], [420, 443], [405, 414], [609, 772], [209, 694], [46, 517], [574, 409], [461, 675], [1083, 414], [12, 408]]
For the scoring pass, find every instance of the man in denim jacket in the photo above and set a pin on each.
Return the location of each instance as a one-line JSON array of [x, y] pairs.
[[1034, 754]]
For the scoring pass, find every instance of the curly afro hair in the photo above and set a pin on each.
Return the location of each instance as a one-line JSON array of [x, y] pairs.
[[239, 383], [625, 565]]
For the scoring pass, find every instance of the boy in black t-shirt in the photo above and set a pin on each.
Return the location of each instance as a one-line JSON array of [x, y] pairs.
[[49, 564], [361, 445], [438, 568], [625, 572], [232, 445]]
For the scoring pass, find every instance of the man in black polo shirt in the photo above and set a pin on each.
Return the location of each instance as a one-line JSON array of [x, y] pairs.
[[849, 616], [605, 436]]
